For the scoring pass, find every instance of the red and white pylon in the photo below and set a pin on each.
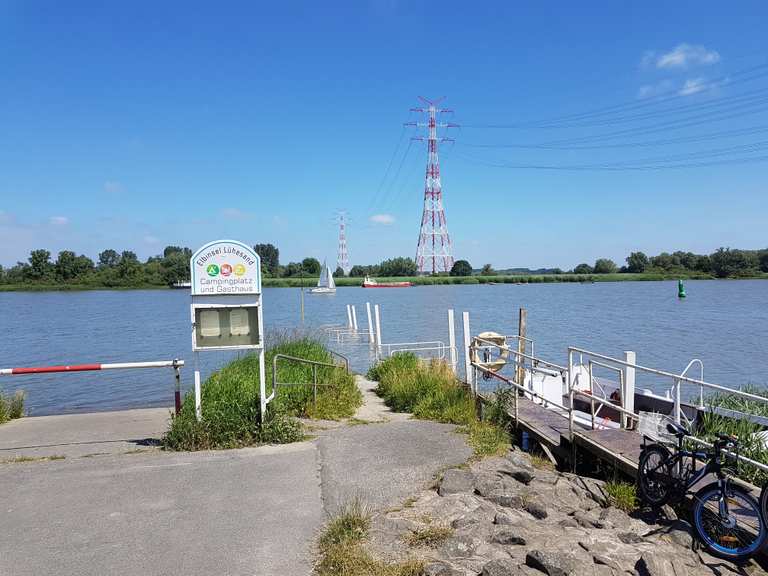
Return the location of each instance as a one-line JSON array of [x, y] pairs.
[[433, 251]]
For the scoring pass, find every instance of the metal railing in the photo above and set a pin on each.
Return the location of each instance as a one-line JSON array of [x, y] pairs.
[[435, 349], [314, 364]]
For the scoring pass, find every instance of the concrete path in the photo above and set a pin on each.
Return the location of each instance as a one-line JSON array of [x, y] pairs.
[[73, 435], [235, 512]]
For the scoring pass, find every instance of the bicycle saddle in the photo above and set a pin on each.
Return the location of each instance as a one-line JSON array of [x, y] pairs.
[[677, 430]]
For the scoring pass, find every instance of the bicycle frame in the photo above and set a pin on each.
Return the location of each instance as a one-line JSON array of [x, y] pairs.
[[713, 465]]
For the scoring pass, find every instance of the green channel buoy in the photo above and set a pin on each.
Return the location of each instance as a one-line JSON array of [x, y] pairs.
[[680, 289]]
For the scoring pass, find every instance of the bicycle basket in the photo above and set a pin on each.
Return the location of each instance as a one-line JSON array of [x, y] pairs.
[[654, 426]]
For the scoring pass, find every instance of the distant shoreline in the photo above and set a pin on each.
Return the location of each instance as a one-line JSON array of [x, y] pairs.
[[416, 280]]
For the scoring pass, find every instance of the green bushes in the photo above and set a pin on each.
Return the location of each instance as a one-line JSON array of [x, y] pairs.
[[750, 445], [231, 408], [11, 407], [431, 392]]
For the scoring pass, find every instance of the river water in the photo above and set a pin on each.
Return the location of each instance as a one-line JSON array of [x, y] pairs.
[[724, 323]]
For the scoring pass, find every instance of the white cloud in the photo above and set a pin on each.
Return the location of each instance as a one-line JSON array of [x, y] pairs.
[[384, 219], [693, 86], [236, 214], [113, 187], [58, 220], [684, 55], [151, 239], [651, 90]]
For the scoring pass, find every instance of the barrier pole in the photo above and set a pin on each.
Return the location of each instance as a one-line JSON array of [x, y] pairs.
[[452, 339], [349, 316], [354, 317], [371, 341]]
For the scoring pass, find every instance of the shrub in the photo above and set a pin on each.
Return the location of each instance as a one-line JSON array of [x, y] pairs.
[[231, 404], [11, 407]]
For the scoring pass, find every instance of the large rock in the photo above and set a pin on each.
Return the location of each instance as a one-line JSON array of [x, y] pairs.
[[552, 563], [487, 484], [654, 565], [536, 509], [440, 569], [456, 481], [461, 546], [507, 536], [500, 568]]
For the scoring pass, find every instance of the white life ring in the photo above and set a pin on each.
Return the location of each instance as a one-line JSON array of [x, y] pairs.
[[485, 339]]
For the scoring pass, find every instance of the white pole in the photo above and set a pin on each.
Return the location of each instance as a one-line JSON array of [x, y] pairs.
[[370, 324], [628, 393], [263, 385], [452, 339], [349, 316], [377, 315], [354, 317], [467, 361], [198, 395]]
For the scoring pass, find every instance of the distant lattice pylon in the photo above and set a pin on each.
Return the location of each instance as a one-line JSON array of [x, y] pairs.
[[342, 260], [433, 251]]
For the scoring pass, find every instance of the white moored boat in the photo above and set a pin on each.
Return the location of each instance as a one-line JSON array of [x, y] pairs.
[[325, 284]]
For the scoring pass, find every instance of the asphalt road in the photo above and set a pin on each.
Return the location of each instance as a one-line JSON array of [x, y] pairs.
[[226, 513]]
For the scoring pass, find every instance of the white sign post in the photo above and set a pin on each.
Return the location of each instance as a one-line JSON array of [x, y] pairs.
[[226, 309]]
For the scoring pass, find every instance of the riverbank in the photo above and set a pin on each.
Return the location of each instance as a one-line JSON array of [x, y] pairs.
[[415, 280]]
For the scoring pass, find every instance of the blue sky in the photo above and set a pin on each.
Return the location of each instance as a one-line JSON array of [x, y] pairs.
[[137, 125]]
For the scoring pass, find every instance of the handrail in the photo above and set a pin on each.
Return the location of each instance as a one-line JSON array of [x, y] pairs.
[[701, 388], [669, 374], [313, 363]]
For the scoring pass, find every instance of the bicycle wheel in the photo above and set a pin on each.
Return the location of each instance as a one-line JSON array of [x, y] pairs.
[[764, 504], [654, 475], [729, 527]]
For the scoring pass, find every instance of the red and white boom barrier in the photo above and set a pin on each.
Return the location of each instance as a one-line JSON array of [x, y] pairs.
[[175, 364]]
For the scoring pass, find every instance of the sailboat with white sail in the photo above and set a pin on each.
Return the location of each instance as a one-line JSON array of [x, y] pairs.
[[325, 284]]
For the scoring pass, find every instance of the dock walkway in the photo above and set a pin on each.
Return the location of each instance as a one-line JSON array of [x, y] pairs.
[[550, 427]]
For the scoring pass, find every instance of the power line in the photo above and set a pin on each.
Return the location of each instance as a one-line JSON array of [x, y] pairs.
[[661, 142], [663, 98]]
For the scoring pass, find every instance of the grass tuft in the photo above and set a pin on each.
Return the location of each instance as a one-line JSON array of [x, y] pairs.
[[622, 495], [11, 407], [430, 537], [342, 553], [487, 439], [230, 401], [22, 459]]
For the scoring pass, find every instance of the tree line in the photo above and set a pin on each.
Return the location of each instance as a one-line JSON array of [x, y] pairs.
[[124, 269]]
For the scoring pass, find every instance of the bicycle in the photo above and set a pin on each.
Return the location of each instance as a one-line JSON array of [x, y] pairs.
[[726, 518]]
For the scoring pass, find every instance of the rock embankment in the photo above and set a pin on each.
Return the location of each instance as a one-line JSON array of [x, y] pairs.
[[503, 517]]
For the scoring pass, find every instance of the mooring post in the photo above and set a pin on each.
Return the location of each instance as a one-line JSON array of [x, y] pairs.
[[371, 341], [521, 330], [349, 316], [628, 391], [570, 410], [354, 318], [467, 359], [452, 340], [377, 315]]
